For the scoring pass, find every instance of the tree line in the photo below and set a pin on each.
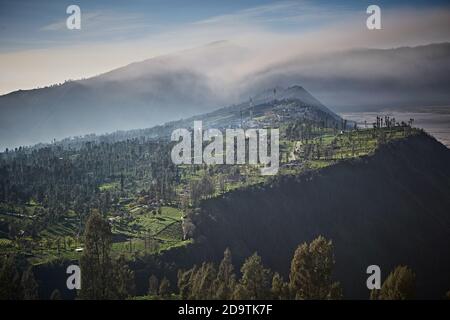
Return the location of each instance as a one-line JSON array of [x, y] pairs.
[[104, 276]]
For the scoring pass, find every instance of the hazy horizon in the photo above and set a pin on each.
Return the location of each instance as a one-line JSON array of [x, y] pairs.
[[149, 62]]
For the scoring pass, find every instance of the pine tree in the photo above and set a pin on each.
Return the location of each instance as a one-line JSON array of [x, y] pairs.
[[311, 269], [29, 285], [123, 279], [399, 285], [240, 293], [203, 282], [280, 289], [226, 279], [10, 286], [255, 283], [101, 276], [164, 288], [185, 282], [95, 263], [153, 285]]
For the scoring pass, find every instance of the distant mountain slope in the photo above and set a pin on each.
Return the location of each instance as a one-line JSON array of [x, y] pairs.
[[270, 100], [82, 107], [139, 95], [294, 92], [294, 98], [388, 209]]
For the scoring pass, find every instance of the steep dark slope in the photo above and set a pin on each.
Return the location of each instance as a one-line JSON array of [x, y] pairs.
[[387, 209]]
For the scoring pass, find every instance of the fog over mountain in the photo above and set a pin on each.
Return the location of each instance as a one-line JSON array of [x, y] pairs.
[[369, 79], [195, 81]]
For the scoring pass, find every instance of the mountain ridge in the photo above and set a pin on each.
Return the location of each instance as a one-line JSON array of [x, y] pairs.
[[197, 81], [237, 115], [390, 208]]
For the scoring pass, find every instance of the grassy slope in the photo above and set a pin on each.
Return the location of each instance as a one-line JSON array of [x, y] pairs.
[[132, 233]]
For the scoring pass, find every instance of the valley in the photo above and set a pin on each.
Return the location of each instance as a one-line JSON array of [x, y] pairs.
[[156, 208]]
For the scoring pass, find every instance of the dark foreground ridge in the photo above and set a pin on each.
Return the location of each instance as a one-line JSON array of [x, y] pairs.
[[388, 209]]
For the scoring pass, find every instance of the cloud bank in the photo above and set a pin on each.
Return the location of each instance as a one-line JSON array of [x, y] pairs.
[[270, 34]]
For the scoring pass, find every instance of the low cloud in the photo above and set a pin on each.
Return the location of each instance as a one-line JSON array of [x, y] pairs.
[[258, 44]]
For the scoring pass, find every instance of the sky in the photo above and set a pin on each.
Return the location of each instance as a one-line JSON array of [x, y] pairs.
[[37, 49]]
